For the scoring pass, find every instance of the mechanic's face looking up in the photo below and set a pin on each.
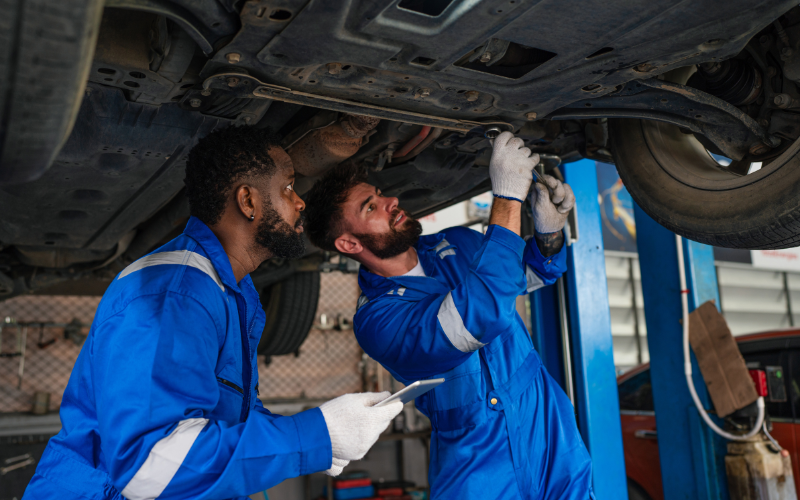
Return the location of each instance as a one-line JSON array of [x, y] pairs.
[[350, 216], [280, 224], [377, 223], [240, 183]]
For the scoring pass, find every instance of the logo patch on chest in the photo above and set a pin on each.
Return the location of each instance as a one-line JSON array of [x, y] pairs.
[[441, 246]]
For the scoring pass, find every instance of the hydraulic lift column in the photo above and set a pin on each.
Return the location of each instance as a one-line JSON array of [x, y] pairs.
[[590, 348], [692, 456]]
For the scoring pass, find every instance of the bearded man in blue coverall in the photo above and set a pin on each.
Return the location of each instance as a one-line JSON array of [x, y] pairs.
[[162, 401], [444, 306]]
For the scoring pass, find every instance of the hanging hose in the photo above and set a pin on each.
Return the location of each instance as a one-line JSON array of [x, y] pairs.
[[771, 439], [687, 361]]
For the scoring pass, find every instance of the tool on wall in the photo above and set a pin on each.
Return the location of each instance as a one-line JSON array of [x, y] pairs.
[[72, 330], [14, 463], [41, 343], [21, 341]]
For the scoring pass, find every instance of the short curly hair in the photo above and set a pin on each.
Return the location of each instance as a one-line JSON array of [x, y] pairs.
[[219, 160], [324, 204]]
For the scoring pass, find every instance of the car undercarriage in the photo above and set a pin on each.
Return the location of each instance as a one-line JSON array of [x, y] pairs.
[[102, 103]]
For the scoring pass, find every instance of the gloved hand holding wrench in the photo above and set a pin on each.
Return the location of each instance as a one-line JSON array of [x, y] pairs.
[[512, 169]]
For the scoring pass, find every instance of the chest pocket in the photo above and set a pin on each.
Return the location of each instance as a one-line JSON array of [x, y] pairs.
[[229, 371], [229, 406], [463, 386], [230, 385]]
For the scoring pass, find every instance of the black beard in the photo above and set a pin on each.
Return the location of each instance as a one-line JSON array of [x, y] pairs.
[[393, 243], [278, 236]]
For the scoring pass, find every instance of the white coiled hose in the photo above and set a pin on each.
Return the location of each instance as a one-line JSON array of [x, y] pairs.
[[687, 361]]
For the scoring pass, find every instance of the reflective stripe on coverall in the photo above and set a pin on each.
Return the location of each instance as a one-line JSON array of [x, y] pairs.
[[502, 427], [162, 400]]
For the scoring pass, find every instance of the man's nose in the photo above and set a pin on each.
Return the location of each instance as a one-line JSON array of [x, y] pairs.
[[299, 204], [391, 204]]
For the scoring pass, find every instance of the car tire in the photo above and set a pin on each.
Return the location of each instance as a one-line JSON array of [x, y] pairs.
[[46, 50], [636, 492], [676, 181], [290, 306]]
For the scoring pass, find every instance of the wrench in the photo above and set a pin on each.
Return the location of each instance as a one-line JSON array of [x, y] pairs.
[[491, 133]]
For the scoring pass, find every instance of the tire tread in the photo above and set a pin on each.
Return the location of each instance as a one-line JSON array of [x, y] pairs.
[[297, 307], [46, 48], [771, 227]]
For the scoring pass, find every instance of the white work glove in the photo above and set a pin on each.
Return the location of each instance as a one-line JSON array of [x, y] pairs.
[[354, 425], [551, 204], [337, 467], [511, 167]]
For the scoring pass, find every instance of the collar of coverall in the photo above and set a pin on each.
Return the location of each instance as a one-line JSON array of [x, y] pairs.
[[373, 285], [198, 231]]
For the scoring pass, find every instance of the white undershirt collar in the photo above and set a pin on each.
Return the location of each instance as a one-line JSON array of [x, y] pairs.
[[416, 270]]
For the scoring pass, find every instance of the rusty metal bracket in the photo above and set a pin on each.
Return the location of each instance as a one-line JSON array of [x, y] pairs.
[[247, 86], [316, 122], [725, 125]]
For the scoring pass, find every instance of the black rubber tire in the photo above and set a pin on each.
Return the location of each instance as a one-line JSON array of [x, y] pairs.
[[764, 214], [290, 306], [636, 492], [46, 50]]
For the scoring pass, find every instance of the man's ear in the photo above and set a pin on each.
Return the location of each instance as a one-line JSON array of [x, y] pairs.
[[348, 244], [245, 201]]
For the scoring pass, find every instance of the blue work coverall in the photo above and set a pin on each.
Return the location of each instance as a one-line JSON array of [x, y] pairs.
[[502, 427], [162, 402]]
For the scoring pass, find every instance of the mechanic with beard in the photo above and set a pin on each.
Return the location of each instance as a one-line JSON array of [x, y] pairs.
[[444, 305], [162, 401]]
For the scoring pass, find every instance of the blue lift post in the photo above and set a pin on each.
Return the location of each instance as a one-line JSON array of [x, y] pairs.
[[596, 396], [546, 332], [692, 456]]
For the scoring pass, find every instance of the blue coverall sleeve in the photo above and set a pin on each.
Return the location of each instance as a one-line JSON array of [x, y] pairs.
[[154, 362], [540, 270], [419, 339]]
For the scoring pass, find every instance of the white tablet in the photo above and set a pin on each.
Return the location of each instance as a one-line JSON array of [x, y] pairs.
[[412, 391]]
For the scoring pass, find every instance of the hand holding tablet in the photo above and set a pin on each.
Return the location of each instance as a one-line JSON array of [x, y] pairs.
[[412, 391]]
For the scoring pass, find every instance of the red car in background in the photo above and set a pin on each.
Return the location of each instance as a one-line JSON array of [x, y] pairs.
[[639, 435]]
